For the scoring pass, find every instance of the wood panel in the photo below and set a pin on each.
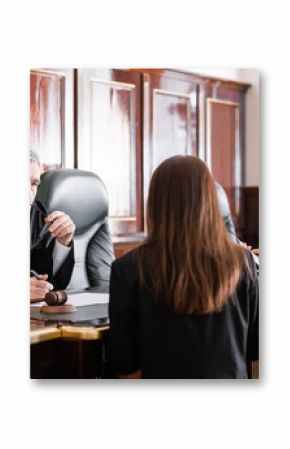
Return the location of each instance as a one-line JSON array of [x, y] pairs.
[[223, 149], [109, 108], [250, 229], [124, 244], [69, 360], [170, 120], [120, 249], [51, 116], [222, 138], [221, 152]]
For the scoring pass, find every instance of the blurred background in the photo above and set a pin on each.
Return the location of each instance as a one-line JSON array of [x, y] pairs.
[[121, 123]]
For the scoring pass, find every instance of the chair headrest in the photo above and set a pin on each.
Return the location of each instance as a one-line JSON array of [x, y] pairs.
[[78, 193]]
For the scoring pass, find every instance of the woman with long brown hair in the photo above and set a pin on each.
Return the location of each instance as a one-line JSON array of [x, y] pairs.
[[184, 304]]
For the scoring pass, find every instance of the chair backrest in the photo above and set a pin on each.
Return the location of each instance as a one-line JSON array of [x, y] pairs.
[[83, 196]]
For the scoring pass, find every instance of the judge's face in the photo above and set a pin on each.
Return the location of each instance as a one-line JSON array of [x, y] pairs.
[[34, 180]]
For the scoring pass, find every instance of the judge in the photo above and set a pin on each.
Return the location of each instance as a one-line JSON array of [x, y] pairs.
[[51, 242]]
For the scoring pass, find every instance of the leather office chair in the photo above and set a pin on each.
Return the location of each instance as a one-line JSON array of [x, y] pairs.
[[83, 196]]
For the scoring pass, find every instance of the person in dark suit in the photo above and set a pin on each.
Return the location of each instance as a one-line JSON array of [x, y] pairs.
[[184, 304], [225, 211], [51, 242]]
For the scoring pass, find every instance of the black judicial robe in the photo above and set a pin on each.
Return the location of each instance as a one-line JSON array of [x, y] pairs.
[[41, 249]]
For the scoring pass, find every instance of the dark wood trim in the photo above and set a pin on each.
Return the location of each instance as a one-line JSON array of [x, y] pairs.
[[213, 81], [129, 238], [252, 190], [249, 230], [195, 77], [62, 359]]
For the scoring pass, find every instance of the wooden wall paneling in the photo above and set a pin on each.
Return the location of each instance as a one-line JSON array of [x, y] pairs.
[[170, 119], [51, 116], [250, 230], [109, 142], [124, 244], [229, 87], [224, 142], [223, 148]]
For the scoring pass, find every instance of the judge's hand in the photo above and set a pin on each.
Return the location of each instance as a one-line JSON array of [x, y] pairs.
[[39, 287], [61, 227], [245, 245]]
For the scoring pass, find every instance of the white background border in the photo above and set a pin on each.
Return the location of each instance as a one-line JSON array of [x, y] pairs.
[[54, 414]]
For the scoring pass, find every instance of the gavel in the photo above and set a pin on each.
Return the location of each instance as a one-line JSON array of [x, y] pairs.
[[55, 300]]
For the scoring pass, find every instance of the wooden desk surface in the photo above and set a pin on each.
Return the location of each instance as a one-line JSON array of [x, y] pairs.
[[83, 332], [40, 332]]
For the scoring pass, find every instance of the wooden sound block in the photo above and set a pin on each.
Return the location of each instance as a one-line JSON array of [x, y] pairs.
[[65, 308]]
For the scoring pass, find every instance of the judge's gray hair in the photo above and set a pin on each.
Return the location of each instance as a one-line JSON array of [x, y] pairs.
[[34, 156]]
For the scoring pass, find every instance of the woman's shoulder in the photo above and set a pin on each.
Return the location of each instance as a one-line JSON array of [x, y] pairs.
[[127, 265]]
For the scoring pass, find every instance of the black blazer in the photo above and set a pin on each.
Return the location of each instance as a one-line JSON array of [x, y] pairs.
[[148, 335], [41, 249]]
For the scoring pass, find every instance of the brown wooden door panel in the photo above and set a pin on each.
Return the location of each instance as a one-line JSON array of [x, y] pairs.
[[51, 116], [47, 117], [223, 143], [170, 120], [223, 149], [109, 144]]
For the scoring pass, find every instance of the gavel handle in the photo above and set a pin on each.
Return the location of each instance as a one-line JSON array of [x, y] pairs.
[[34, 301], [57, 292]]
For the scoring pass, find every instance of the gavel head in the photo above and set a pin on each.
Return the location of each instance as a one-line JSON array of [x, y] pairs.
[[56, 298]]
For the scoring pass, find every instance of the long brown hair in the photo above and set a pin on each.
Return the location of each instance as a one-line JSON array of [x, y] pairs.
[[188, 257]]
